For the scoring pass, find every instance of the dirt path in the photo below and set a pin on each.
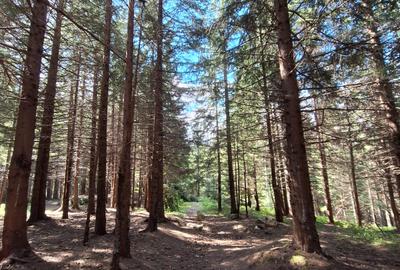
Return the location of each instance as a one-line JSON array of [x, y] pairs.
[[189, 243]]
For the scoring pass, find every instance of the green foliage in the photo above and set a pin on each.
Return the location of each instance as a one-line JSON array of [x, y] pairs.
[[172, 198], [371, 234], [210, 207]]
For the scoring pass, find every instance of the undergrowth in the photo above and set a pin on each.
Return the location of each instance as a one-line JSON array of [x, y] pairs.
[[371, 234]]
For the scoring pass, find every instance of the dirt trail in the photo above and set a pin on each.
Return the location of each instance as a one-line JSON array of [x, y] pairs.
[[213, 242]]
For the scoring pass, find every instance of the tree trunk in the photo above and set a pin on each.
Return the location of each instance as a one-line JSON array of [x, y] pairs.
[[392, 201], [38, 200], [237, 177], [49, 187], [255, 185], [71, 141], [219, 178], [305, 232], [135, 93], [354, 186], [93, 159], [278, 200], [231, 181], [93, 154], [372, 202], [113, 159], [156, 184], [322, 155], [122, 241], [55, 192], [14, 236], [75, 202], [246, 197], [275, 184], [100, 224], [384, 90], [283, 167]]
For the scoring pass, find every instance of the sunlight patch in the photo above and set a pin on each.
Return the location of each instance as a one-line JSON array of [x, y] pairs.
[[298, 260]]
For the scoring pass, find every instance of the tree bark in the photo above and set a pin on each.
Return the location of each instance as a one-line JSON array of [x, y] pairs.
[[237, 155], [75, 202], [354, 187], [93, 153], [384, 90], [100, 224], [219, 178], [38, 200], [122, 241], [71, 141], [324, 168], [278, 203], [14, 236], [231, 181], [246, 193], [255, 185], [93, 159], [392, 201], [305, 232], [156, 184]]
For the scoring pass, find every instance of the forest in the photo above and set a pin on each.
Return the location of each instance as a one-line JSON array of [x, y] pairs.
[[200, 134]]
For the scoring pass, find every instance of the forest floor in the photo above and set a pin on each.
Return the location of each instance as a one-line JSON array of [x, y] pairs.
[[195, 241]]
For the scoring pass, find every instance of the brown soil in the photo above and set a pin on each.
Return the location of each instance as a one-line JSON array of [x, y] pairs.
[[213, 242]]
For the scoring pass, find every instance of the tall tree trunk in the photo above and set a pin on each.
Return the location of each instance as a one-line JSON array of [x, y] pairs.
[[134, 165], [122, 241], [305, 232], [384, 90], [14, 236], [392, 201], [255, 185], [156, 184], [75, 202], [149, 149], [237, 155], [246, 197], [71, 141], [38, 200], [56, 188], [219, 177], [93, 159], [135, 93], [354, 187], [283, 165], [49, 188], [278, 202], [231, 180], [100, 224], [371, 202], [322, 155], [93, 154]]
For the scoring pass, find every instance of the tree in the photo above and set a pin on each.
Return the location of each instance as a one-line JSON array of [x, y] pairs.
[[231, 181], [38, 201], [305, 232], [100, 225], [156, 184], [73, 103], [122, 241], [15, 239]]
